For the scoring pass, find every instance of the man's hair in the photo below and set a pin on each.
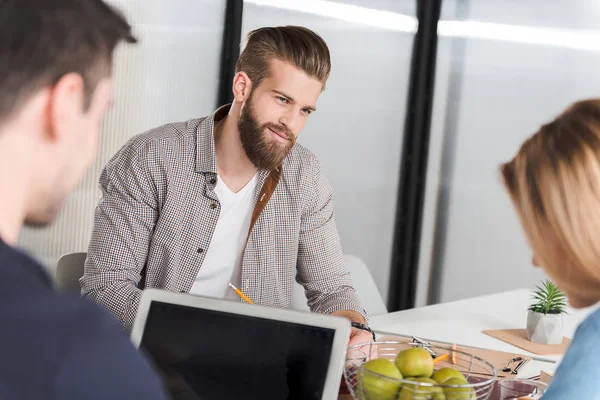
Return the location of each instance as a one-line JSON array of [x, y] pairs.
[[42, 40], [296, 45]]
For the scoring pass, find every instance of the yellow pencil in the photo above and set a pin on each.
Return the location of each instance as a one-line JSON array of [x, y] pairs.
[[239, 293], [440, 358]]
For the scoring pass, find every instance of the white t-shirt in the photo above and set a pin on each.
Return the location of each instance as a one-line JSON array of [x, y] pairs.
[[223, 261]]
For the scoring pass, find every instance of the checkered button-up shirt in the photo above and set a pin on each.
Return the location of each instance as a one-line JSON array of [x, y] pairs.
[[159, 210]]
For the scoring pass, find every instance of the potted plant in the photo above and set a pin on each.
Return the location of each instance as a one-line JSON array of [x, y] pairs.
[[545, 316]]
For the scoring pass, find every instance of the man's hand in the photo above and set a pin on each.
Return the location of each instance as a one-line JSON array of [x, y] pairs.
[[358, 336], [352, 315]]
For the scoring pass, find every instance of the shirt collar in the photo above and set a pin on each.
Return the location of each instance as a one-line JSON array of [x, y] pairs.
[[206, 157]]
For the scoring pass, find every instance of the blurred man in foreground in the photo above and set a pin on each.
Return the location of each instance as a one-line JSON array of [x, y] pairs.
[[55, 68]]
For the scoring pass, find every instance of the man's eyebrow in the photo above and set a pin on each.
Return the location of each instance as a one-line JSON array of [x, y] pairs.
[[290, 98]]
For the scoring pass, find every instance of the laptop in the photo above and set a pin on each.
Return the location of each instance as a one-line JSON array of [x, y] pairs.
[[212, 349]]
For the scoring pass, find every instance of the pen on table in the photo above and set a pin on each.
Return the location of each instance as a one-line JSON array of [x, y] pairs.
[[441, 358], [516, 370], [239, 293]]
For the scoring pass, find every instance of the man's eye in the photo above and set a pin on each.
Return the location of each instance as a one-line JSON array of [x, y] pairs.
[[283, 100], [306, 111]]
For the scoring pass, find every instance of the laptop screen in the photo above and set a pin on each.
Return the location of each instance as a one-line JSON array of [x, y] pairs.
[[211, 355]]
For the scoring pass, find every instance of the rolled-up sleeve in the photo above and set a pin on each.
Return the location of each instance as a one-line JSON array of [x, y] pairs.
[[321, 270]]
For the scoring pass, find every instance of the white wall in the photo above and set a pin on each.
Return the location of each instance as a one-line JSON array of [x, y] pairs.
[[358, 128], [506, 91], [171, 75]]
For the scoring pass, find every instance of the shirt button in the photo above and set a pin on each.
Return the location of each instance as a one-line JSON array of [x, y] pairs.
[[213, 206], [200, 251], [213, 181]]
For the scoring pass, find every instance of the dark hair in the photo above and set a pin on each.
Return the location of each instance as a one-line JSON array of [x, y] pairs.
[[296, 45], [42, 40]]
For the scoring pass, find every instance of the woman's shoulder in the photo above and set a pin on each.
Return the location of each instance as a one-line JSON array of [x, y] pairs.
[[593, 319], [577, 374]]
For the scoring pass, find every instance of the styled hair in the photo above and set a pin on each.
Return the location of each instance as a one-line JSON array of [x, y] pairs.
[[43, 40], [296, 45], [554, 183]]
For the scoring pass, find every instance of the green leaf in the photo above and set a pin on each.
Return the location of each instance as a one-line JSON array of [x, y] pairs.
[[548, 299]]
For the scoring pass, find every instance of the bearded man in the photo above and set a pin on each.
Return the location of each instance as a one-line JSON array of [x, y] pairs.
[[230, 198]]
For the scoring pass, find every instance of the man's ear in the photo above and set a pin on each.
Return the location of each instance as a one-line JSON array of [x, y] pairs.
[[66, 103], [242, 86]]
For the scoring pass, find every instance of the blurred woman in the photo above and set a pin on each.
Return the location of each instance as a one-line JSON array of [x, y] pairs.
[[554, 183]]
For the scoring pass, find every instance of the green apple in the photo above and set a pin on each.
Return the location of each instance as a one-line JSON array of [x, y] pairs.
[[443, 374], [380, 379], [415, 362], [465, 393], [418, 392]]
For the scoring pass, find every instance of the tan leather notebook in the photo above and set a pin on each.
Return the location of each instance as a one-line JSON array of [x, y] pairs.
[[518, 337]]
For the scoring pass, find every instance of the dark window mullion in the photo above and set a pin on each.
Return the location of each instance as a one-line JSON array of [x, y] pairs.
[[413, 162]]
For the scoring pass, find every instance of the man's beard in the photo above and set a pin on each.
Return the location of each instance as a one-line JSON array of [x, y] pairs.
[[263, 153]]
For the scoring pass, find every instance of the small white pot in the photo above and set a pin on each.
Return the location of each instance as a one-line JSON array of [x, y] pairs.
[[544, 328]]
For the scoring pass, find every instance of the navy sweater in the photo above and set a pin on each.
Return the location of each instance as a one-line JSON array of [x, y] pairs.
[[55, 346]]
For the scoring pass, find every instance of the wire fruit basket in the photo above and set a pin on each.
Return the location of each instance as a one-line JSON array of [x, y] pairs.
[[364, 384]]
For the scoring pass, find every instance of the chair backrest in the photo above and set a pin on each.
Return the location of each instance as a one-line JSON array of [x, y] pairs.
[[68, 271], [363, 284]]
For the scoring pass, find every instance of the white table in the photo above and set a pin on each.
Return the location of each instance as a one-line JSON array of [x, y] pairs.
[[461, 322]]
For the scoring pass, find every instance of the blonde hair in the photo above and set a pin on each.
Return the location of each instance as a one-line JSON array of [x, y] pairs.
[[296, 45], [554, 183]]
